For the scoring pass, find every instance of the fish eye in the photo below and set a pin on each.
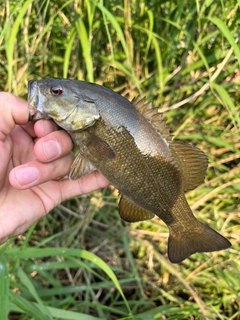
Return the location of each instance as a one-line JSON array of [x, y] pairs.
[[56, 91]]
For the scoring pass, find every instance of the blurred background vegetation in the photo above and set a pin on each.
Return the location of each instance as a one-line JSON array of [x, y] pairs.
[[81, 261]]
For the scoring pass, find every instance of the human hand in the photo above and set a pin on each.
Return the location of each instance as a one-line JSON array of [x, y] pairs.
[[31, 156]]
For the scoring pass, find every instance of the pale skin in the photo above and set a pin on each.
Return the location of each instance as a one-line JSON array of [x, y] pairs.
[[32, 155]]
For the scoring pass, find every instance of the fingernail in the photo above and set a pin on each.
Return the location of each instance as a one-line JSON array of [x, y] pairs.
[[26, 175], [51, 149]]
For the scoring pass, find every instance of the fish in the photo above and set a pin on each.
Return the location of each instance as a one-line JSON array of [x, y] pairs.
[[130, 144]]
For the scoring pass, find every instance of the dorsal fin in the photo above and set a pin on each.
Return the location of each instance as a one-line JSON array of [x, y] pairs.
[[152, 115], [191, 161]]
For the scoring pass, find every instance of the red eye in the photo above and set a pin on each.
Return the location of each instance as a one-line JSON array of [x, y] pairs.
[[56, 91]]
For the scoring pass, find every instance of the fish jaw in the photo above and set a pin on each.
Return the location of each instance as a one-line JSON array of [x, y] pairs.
[[34, 102]]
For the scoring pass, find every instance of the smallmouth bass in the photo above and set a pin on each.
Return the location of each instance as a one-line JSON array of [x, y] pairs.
[[129, 143]]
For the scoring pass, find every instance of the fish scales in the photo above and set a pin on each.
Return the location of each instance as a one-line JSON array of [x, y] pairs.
[[139, 190], [130, 145]]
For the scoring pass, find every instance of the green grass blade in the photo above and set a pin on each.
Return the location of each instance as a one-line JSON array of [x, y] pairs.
[[201, 54], [70, 315], [55, 312], [47, 27], [68, 50], [10, 39], [29, 285], [86, 47], [227, 102], [25, 305], [112, 19], [101, 264], [4, 288], [65, 252], [226, 32], [108, 35], [154, 40]]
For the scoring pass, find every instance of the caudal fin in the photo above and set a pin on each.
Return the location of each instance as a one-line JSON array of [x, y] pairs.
[[201, 239]]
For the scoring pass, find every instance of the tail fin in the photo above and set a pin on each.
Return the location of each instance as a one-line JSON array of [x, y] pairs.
[[201, 239]]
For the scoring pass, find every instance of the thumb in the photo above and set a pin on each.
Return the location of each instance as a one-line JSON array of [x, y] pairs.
[[13, 110]]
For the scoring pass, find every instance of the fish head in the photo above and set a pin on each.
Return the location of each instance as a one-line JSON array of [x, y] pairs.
[[62, 101]]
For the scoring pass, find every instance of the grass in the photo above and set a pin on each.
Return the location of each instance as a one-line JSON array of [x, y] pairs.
[[81, 261]]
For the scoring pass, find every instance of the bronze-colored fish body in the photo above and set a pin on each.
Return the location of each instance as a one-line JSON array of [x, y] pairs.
[[130, 145]]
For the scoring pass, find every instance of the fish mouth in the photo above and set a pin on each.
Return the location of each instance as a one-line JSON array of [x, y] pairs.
[[35, 109]]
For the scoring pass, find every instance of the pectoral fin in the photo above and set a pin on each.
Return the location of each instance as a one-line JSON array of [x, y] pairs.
[[192, 163], [131, 212], [99, 148], [80, 167]]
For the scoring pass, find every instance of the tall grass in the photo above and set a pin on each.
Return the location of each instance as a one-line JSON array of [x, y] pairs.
[[82, 261]]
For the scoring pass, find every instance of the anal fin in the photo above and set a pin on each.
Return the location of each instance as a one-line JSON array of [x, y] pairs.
[[131, 212]]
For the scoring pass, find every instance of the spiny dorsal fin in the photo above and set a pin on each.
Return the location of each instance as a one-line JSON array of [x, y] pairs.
[[152, 115]]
